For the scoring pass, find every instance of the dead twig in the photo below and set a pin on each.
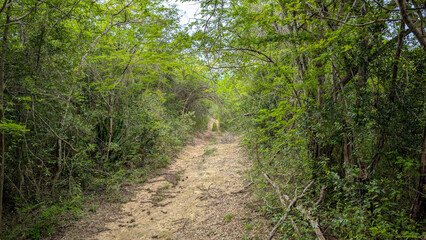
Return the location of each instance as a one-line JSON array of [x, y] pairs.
[[290, 205], [245, 188], [208, 205], [313, 223], [208, 194], [156, 204], [158, 180], [182, 220], [321, 195], [295, 226], [306, 213], [277, 190]]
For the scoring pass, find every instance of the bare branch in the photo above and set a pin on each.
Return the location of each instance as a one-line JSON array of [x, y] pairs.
[[313, 223], [59, 137], [95, 42], [65, 14], [363, 24], [25, 15], [277, 190], [421, 37], [256, 51], [290, 205], [124, 8], [306, 213], [3, 7], [321, 195], [236, 67]]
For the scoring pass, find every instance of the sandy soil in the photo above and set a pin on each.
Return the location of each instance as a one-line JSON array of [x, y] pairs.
[[202, 195]]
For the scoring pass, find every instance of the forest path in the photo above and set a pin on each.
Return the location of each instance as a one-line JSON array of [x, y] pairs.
[[201, 195]]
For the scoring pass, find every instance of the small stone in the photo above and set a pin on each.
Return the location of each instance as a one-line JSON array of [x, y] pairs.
[[163, 211]]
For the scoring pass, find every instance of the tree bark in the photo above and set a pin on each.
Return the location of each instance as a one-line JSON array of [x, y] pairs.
[[401, 36], [59, 166], [2, 133], [347, 155], [419, 206], [405, 15]]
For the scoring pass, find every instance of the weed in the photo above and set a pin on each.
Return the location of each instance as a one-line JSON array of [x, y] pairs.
[[209, 151], [165, 187], [178, 175], [229, 217], [246, 218], [93, 207], [249, 226]]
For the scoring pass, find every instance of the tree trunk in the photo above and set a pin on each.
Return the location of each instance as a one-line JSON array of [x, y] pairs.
[[347, 156], [320, 89], [411, 23], [376, 158], [110, 127], [2, 133], [396, 61], [59, 166], [419, 206]]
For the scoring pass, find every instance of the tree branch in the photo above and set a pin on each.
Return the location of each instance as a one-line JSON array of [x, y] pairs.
[[306, 213], [421, 38], [59, 137], [25, 15], [363, 24], [3, 7], [255, 51]]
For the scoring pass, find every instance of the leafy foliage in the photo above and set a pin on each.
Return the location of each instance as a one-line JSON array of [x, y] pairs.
[[97, 93], [332, 92]]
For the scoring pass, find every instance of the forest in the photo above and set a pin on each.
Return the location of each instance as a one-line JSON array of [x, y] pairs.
[[328, 96]]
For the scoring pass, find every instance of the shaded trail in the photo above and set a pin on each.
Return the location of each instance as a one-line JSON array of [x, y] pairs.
[[201, 195]]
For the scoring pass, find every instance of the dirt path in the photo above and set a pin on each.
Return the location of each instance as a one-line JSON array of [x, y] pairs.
[[202, 195]]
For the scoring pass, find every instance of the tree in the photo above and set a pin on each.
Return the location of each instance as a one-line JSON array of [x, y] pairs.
[[321, 83], [93, 95]]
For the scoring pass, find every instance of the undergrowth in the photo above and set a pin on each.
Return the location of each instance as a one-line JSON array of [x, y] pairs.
[[78, 194]]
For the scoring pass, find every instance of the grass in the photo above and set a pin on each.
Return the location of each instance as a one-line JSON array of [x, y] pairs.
[[165, 186], [178, 175], [251, 237], [209, 151], [249, 226], [229, 217], [159, 198]]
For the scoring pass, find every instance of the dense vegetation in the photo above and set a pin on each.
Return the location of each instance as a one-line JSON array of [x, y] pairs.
[[331, 92], [97, 93]]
